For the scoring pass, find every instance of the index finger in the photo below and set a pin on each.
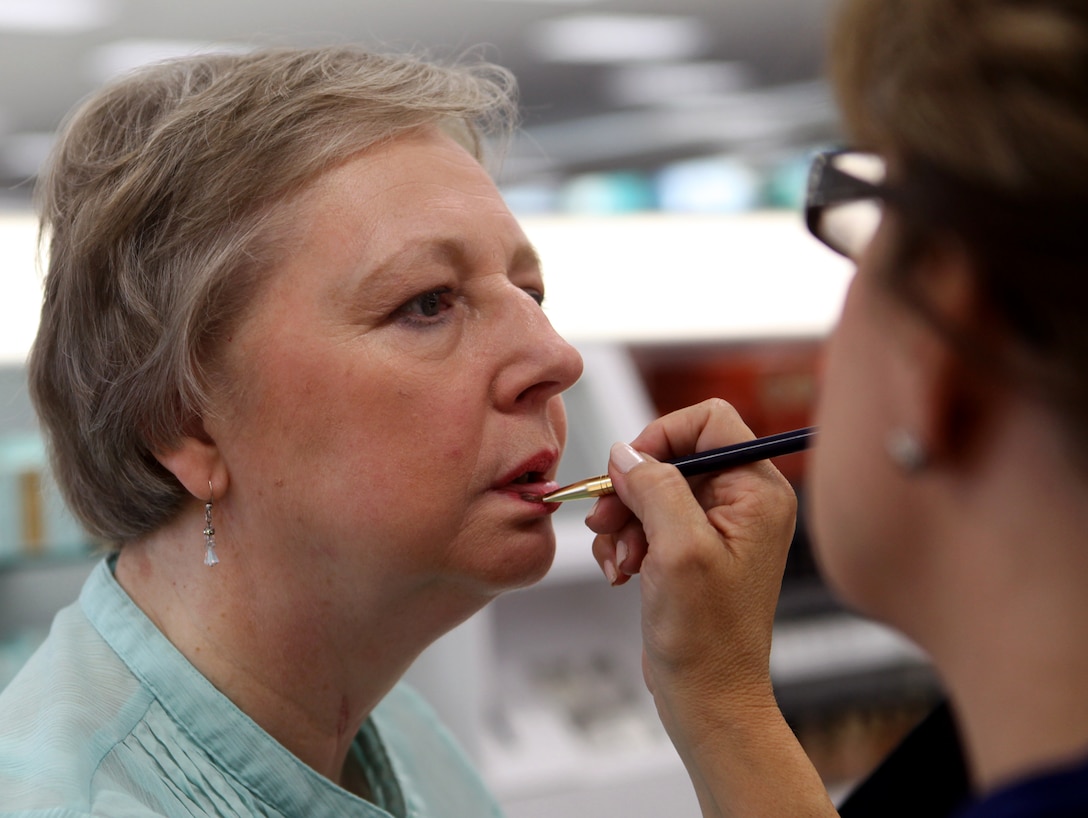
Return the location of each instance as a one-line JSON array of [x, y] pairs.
[[707, 425]]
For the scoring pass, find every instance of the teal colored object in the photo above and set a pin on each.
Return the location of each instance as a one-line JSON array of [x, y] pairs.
[[787, 182], [108, 718], [609, 193], [709, 185]]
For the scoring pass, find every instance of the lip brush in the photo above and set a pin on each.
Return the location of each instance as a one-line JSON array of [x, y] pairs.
[[713, 460]]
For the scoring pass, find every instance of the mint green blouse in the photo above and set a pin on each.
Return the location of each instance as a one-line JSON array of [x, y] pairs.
[[109, 719]]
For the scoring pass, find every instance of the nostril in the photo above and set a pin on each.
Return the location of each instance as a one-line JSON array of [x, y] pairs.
[[540, 391]]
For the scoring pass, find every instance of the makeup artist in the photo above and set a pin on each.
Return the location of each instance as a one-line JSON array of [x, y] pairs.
[[294, 370], [948, 488]]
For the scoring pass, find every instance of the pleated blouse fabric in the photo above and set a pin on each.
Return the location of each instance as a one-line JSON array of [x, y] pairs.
[[109, 719]]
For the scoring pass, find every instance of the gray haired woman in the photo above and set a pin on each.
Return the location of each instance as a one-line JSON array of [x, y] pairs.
[[293, 369]]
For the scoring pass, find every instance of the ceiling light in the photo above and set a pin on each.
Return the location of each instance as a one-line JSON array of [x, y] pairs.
[[55, 15], [606, 38], [786, 113], [675, 83]]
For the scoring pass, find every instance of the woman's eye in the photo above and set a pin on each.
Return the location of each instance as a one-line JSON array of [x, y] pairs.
[[427, 305]]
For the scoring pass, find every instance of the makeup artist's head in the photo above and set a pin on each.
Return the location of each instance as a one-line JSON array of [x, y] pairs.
[[970, 295], [285, 281]]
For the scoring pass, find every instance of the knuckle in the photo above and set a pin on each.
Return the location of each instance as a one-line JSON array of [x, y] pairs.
[[715, 405]]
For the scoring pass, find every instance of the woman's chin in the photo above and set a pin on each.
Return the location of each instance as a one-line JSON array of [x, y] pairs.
[[521, 565]]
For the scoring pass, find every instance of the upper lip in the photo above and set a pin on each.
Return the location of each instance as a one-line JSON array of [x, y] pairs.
[[540, 464]]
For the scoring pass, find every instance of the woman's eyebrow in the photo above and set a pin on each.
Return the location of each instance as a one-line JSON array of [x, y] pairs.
[[391, 268], [450, 252], [526, 257]]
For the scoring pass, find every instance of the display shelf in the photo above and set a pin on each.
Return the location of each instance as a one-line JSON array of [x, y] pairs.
[[547, 742], [21, 304], [573, 550], [567, 710], [834, 646], [48, 560], [16, 648], [650, 789], [32, 590], [663, 278], [549, 697]]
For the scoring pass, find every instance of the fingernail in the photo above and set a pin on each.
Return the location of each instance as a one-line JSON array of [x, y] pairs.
[[593, 510], [621, 554], [625, 458], [610, 572]]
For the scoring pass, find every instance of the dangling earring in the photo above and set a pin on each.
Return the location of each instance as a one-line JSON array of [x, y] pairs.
[[210, 557], [906, 450]]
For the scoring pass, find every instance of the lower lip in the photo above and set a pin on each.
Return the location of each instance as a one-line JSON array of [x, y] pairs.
[[529, 494]]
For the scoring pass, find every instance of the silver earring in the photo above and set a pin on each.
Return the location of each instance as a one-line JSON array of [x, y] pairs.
[[210, 557], [906, 450]]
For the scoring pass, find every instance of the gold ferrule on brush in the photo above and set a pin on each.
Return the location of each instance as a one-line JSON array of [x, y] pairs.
[[582, 490]]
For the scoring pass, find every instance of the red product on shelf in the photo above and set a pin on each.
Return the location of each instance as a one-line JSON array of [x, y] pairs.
[[771, 383]]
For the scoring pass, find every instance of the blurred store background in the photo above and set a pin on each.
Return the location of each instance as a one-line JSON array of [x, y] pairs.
[[659, 170], [616, 93]]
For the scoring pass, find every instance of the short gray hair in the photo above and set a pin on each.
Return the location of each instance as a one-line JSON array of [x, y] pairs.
[[160, 208]]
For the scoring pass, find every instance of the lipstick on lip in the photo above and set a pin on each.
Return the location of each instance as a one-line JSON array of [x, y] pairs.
[[714, 460], [538, 496], [530, 478]]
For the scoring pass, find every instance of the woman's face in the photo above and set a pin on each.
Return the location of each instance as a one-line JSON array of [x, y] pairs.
[[395, 381], [856, 498]]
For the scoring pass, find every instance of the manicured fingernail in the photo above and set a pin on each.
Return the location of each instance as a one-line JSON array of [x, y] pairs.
[[625, 458], [593, 510], [621, 553], [610, 572]]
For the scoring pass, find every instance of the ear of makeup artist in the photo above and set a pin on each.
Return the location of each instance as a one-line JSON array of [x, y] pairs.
[[947, 493], [293, 368]]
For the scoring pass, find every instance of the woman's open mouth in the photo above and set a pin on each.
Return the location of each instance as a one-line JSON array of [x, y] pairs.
[[533, 486], [531, 481], [528, 478]]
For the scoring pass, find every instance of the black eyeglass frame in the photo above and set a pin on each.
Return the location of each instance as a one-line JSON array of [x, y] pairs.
[[829, 185], [1007, 232]]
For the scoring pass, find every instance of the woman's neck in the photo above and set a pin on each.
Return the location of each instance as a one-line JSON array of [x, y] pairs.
[[1003, 611], [307, 674], [1019, 693]]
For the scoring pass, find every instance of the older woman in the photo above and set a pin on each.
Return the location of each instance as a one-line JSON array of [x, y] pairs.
[[949, 487], [293, 367]]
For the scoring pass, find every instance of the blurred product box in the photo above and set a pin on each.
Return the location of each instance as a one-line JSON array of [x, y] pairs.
[[771, 383], [34, 520]]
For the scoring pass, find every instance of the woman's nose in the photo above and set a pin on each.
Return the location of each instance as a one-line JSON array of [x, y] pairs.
[[542, 363]]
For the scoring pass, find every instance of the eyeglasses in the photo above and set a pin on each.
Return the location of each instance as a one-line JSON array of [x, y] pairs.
[[845, 199]]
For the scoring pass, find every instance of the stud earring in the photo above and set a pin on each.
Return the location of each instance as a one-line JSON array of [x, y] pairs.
[[906, 450], [210, 557]]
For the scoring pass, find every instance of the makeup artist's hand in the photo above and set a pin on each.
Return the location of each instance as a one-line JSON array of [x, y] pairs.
[[711, 552]]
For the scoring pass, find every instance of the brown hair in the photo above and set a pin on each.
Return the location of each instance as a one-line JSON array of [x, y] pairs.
[[983, 106], [162, 204]]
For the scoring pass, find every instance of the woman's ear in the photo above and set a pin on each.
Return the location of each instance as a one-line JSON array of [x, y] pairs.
[[957, 388], [195, 460]]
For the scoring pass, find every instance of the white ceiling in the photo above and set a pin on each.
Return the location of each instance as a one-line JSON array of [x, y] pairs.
[[749, 82]]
